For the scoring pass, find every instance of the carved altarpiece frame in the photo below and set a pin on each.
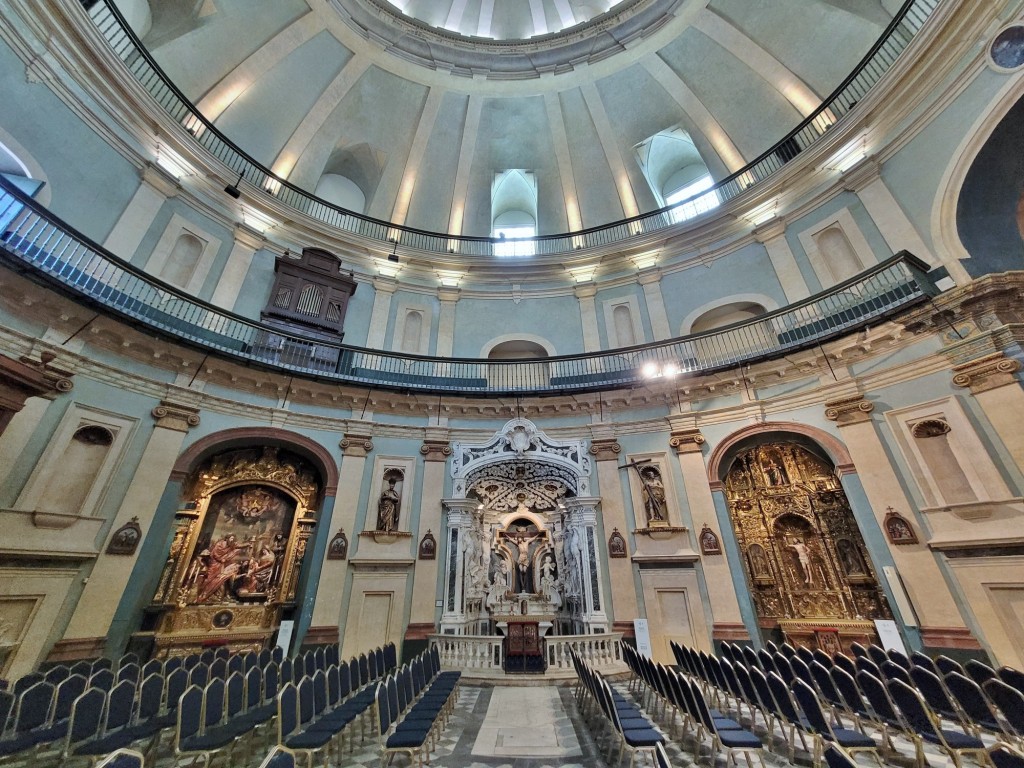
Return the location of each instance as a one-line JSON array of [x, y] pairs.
[[268, 499]]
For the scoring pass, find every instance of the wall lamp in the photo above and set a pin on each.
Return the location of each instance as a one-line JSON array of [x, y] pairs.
[[393, 256], [232, 189]]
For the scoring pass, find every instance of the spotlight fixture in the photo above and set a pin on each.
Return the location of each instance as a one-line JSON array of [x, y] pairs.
[[232, 189], [393, 256]]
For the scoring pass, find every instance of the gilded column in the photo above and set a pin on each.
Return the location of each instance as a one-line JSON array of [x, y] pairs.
[[623, 607], [688, 443], [111, 573], [994, 382], [425, 591], [925, 584], [356, 445]]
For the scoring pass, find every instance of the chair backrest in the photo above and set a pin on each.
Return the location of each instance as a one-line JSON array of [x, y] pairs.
[[864, 664], [752, 658], [811, 707], [236, 663], [878, 696], [25, 682], [393, 697], [277, 653], [786, 649], [65, 696], [128, 658], [661, 756], [898, 658], [772, 647], [234, 701], [931, 688], [822, 658], [151, 697], [364, 670], [848, 690], [307, 702], [764, 691], [912, 707], [177, 682], [6, 711], [309, 663], [978, 672], [199, 675], [802, 671], [784, 667], [253, 688], [153, 667], [122, 758], [264, 657], [120, 706], [57, 674], [102, 679], [83, 668], [783, 698], [969, 697], [128, 672], [1010, 702], [213, 703], [86, 715], [271, 681], [285, 671], [858, 650], [173, 663], [207, 656], [219, 669], [1012, 677], [805, 654], [893, 671], [919, 659], [381, 666], [1005, 756], [749, 691], [33, 708], [102, 663], [319, 657], [390, 656], [319, 681], [190, 713], [371, 659], [383, 710], [766, 661], [191, 661], [826, 686], [837, 757], [844, 662], [278, 757], [701, 711], [287, 711], [877, 654]]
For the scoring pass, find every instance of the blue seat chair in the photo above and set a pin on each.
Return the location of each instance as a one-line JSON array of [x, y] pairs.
[[924, 727], [817, 723]]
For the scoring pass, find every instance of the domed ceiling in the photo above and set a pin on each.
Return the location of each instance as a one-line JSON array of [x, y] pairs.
[[412, 110]]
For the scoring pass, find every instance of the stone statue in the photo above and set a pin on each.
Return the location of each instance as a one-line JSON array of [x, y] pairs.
[[803, 556], [653, 494], [549, 586], [387, 507]]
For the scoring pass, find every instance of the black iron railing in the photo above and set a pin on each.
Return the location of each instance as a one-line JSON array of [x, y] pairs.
[[905, 25], [39, 244]]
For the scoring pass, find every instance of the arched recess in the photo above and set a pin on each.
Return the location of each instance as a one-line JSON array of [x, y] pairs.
[[723, 453], [240, 437], [738, 301], [15, 159], [351, 175], [945, 234], [498, 341]]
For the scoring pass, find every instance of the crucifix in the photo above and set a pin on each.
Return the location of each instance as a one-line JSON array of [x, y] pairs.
[[520, 542], [653, 490]]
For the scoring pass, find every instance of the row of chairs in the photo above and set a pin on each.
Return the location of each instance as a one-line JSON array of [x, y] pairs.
[[612, 714], [667, 693], [802, 703], [414, 705]]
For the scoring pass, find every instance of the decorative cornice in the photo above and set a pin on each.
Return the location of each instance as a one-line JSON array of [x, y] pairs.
[[180, 418], [605, 449], [158, 179], [849, 410], [648, 276], [988, 372], [687, 441], [248, 237]]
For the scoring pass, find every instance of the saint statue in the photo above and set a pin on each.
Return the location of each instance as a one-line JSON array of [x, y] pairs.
[[653, 494], [387, 507]]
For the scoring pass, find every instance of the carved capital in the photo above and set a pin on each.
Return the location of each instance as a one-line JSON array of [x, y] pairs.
[[585, 290], [157, 178], [435, 450], [448, 294], [605, 449], [687, 441], [180, 418], [849, 410], [249, 238], [648, 276], [356, 444], [989, 372]]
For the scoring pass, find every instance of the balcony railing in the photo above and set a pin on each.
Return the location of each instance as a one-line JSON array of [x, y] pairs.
[[904, 26], [38, 243]]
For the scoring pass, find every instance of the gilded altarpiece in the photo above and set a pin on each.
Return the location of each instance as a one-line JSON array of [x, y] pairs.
[[802, 551], [239, 541]]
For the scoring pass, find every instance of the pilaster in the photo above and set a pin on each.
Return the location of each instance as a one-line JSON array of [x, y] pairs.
[[585, 294], [110, 576], [384, 288], [688, 443], [650, 281], [449, 298], [994, 382], [435, 451], [773, 237], [126, 236], [247, 242], [623, 608]]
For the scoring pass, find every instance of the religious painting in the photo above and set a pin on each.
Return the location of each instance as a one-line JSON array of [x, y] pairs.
[[709, 543], [338, 547], [428, 547], [616, 544], [239, 552], [898, 529], [801, 549], [389, 503], [126, 538]]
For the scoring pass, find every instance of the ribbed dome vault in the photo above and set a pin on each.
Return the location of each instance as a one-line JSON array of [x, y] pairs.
[[411, 110]]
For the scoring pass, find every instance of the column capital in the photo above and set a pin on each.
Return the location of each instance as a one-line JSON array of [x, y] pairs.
[[772, 230], [985, 373], [862, 174], [852, 409], [605, 449], [434, 449], [383, 284], [585, 290], [448, 294], [175, 416], [157, 178], [356, 443], [648, 276], [687, 441], [247, 237]]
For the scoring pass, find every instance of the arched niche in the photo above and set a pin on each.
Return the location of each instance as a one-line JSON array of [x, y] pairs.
[[17, 161], [726, 311], [351, 175]]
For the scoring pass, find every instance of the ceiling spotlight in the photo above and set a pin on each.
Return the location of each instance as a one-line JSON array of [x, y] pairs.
[[232, 189], [393, 256]]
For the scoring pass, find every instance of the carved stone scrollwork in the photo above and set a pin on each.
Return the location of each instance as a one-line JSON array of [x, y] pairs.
[[687, 441], [605, 449], [989, 372], [849, 410], [180, 418], [356, 445], [435, 450]]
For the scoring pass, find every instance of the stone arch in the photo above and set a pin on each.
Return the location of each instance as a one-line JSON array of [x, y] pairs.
[[945, 234], [249, 436], [767, 302], [721, 455], [540, 341]]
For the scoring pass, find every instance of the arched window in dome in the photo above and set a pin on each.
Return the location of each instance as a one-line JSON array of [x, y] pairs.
[[677, 174], [514, 212]]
